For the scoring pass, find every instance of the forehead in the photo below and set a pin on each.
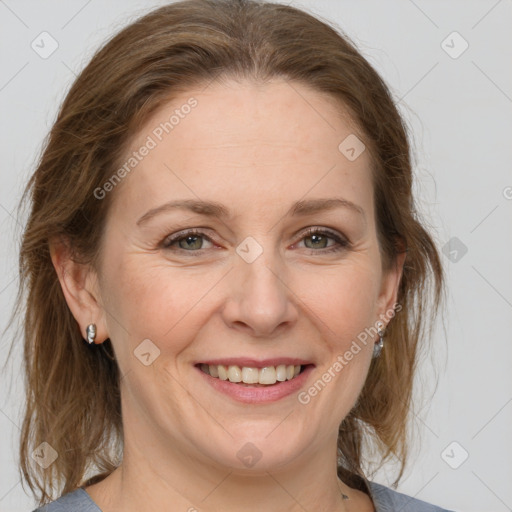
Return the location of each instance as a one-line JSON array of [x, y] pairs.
[[275, 112], [281, 138]]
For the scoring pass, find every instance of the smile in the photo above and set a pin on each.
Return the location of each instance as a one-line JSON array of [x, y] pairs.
[[255, 381], [253, 376]]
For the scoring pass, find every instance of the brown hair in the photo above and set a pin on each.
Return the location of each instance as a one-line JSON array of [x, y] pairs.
[[73, 398]]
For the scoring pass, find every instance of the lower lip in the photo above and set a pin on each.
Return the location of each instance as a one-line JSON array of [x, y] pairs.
[[258, 395]]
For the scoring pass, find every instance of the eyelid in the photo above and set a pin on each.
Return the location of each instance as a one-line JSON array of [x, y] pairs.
[[342, 241], [312, 230], [170, 239]]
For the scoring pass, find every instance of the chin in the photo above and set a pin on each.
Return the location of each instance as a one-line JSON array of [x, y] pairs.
[[269, 448]]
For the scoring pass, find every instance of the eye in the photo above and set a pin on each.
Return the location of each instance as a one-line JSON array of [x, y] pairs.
[[319, 240], [191, 240]]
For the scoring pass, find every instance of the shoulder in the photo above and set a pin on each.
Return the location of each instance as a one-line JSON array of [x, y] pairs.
[[76, 501], [387, 500]]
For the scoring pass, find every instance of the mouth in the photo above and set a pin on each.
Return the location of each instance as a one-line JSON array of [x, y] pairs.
[[255, 382], [252, 375]]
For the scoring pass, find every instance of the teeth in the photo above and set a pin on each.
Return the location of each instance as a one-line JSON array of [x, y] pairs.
[[234, 374], [250, 375], [281, 373], [268, 375], [221, 370]]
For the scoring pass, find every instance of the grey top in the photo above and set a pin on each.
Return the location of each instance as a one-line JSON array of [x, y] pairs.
[[385, 500]]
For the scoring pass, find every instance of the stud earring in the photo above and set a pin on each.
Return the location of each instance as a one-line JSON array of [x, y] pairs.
[[90, 331], [377, 348]]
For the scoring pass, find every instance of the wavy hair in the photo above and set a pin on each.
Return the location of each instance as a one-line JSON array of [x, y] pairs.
[[72, 389]]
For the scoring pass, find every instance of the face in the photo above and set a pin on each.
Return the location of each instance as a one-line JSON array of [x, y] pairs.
[[242, 245]]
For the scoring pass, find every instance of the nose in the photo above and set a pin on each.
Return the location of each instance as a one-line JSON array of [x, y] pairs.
[[260, 303]]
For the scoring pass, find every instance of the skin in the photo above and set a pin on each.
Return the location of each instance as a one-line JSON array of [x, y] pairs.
[[257, 149]]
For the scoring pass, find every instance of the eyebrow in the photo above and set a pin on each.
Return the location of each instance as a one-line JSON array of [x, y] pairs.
[[214, 209]]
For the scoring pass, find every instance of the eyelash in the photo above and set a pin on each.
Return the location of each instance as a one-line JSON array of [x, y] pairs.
[[342, 243]]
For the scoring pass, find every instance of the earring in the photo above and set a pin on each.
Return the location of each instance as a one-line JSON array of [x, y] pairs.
[[90, 331], [377, 348]]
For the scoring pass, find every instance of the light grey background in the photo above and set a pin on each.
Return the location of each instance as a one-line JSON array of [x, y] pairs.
[[459, 110]]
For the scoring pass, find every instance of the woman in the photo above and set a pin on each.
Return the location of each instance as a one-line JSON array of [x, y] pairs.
[[226, 279]]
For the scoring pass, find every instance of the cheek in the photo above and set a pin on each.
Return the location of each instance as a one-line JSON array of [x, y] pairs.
[[155, 301], [164, 305], [344, 300], [343, 306]]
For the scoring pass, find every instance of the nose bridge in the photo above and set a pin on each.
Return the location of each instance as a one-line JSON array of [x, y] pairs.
[[260, 299], [259, 269], [263, 275]]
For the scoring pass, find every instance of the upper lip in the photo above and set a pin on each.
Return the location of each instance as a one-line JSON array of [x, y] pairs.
[[255, 363]]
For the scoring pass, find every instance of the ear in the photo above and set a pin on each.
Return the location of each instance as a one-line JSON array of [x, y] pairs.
[[79, 285], [389, 287]]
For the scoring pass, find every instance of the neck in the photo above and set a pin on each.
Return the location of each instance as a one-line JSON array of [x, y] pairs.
[[147, 480], [162, 470]]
